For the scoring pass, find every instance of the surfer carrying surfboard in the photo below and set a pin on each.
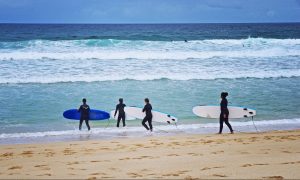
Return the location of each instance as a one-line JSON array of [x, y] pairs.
[[148, 118], [224, 113], [120, 107], [84, 110]]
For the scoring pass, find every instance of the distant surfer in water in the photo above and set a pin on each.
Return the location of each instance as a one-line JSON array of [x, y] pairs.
[[224, 113], [120, 107], [147, 109], [84, 110]]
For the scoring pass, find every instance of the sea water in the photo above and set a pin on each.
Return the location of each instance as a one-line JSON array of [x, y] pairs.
[[47, 68]]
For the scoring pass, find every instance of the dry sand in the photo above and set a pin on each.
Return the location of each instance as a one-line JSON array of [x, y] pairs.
[[245, 155]]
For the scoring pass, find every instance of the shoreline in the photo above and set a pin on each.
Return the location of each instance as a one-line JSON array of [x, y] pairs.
[[272, 155], [131, 132]]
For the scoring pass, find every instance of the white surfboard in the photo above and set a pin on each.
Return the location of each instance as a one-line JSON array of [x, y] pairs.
[[127, 117], [214, 112], [157, 116]]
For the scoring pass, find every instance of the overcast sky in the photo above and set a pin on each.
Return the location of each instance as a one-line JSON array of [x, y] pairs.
[[148, 11]]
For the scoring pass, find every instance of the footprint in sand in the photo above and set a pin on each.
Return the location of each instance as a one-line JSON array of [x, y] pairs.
[[27, 153], [296, 162], [183, 171], [139, 145], [207, 142], [273, 177], [46, 174], [170, 174], [72, 163], [176, 143], [97, 174], [49, 154], [94, 161], [194, 154], [208, 168], [144, 157], [257, 164], [13, 174], [246, 143], [15, 167], [68, 151], [238, 140], [244, 152], [134, 175], [286, 151], [219, 175], [113, 169], [43, 167], [172, 155], [7, 155], [126, 158], [217, 152]]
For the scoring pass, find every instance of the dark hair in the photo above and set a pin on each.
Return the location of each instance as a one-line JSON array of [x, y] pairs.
[[121, 100], [224, 94], [146, 100], [84, 100]]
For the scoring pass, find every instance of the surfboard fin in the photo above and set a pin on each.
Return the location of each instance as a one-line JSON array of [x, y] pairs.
[[250, 112], [168, 122], [245, 109], [245, 116]]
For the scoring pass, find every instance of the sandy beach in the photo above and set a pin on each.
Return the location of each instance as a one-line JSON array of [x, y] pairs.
[[244, 155]]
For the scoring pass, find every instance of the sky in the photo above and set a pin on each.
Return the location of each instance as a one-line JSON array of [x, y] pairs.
[[149, 11]]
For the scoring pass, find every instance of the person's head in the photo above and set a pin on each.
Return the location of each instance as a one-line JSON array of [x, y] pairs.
[[121, 100], [146, 100], [83, 100], [224, 95]]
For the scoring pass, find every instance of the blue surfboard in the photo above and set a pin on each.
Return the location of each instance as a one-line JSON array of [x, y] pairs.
[[73, 114]]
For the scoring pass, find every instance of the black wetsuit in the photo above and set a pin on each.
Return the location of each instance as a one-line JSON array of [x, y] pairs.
[[224, 111], [148, 117], [84, 115], [120, 107]]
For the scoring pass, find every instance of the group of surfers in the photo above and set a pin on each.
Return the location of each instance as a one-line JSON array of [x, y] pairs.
[[84, 110]]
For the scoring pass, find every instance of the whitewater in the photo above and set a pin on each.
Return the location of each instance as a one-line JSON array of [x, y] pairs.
[[111, 60]]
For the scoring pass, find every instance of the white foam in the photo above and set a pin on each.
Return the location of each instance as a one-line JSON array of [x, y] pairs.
[[43, 61], [125, 49], [112, 131]]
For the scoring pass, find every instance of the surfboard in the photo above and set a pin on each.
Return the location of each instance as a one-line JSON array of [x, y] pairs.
[[127, 117], [73, 114], [214, 112], [157, 116]]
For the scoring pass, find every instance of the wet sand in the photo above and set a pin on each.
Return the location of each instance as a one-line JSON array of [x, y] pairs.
[[270, 155]]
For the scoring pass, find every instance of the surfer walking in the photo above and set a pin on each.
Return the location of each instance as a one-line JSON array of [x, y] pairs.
[[120, 108], [224, 113], [148, 118], [84, 110]]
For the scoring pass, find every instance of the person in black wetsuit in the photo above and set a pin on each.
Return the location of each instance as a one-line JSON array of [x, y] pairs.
[[147, 108], [224, 113], [84, 110], [120, 107]]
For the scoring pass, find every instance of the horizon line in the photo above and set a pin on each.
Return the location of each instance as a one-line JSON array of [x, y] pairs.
[[144, 23]]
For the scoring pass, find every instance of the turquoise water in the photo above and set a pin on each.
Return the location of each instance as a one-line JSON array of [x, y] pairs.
[[39, 107], [46, 69]]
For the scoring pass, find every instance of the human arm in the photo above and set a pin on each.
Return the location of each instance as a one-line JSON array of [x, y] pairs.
[[117, 108]]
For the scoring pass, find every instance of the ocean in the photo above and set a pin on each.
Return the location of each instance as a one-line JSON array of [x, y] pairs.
[[48, 68]]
